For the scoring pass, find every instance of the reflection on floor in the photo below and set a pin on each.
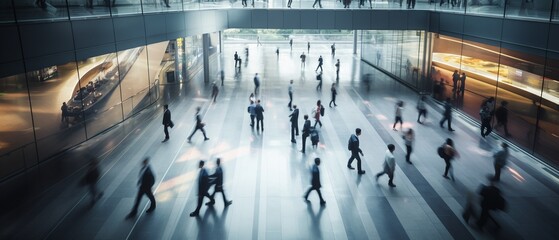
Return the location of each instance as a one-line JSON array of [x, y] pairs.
[[266, 175]]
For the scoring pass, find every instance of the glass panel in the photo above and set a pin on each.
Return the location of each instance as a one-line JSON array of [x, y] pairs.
[[99, 93], [88, 8], [486, 7], [41, 10], [156, 53], [456, 6], [6, 12], [529, 9], [162, 5], [555, 12], [134, 81], [446, 59], [227, 3], [191, 4], [411, 50], [125, 7], [56, 111]]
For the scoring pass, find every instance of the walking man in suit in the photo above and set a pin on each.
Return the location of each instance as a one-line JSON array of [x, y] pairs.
[[389, 165], [256, 83], [203, 186], [199, 126], [146, 181], [306, 131], [337, 69], [294, 119], [217, 179], [353, 146], [334, 93], [315, 182], [320, 61], [166, 121], [447, 115], [500, 160], [259, 110]]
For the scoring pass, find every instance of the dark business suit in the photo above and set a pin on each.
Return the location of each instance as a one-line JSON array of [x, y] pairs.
[[315, 183], [294, 119], [217, 179], [146, 181], [259, 110], [306, 133], [199, 126], [166, 122], [203, 186], [355, 152]]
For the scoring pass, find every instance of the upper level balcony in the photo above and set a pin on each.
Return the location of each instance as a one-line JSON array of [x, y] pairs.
[[12, 11]]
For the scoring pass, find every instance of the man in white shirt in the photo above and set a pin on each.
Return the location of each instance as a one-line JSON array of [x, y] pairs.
[[389, 165]]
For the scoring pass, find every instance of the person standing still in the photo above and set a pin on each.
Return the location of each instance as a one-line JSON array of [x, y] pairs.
[[353, 146], [217, 179], [338, 69], [303, 58], [306, 131], [166, 121], [398, 118], [259, 110], [409, 138], [146, 182], [64, 109], [320, 61], [389, 165], [455, 79], [290, 93], [421, 109], [462, 83], [315, 182], [501, 115], [252, 112], [277, 52], [334, 93], [447, 115], [203, 186], [199, 126], [256, 83], [500, 159], [222, 75], [309, 45], [294, 119]]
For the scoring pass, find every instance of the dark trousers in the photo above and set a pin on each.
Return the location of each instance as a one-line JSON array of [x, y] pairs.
[[256, 89], [396, 121], [260, 123], [196, 129], [252, 120], [389, 173], [166, 131], [305, 136], [446, 118], [294, 130], [317, 189], [421, 112], [290, 99], [332, 101], [201, 200], [319, 3], [483, 217], [486, 127], [408, 152], [141, 192], [317, 122], [219, 189], [289, 5], [319, 66], [498, 168], [338, 74], [447, 167], [319, 85], [355, 155]]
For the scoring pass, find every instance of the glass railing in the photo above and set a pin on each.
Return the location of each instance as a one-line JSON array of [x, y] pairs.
[[52, 10]]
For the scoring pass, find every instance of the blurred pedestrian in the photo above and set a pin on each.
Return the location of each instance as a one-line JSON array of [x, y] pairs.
[[252, 112], [203, 187], [455, 79], [236, 56], [421, 109], [199, 126], [309, 43], [145, 183], [320, 62], [491, 199], [222, 76], [259, 110], [409, 138], [91, 178], [501, 115], [353, 146], [337, 69], [318, 112], [486, 115], [500, 159], [462, 83], [215, 91], [389, 165], [315, 182], [333, 48], [290, 93], [398, 114], [447, 115], [64, 109], [303, 58], [319, 79], [256, 83], [217, 180], [448, 153], [294, 119], [306, 131], [334, 94], [167, 122]]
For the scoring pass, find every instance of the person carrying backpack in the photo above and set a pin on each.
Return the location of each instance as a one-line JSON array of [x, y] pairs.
[[485, 113], [448, 153], [319, 111]]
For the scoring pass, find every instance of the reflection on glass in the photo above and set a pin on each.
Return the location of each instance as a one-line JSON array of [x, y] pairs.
[[6, 12], [85, 8], [134, 79], [16, 126], [540, 9], [30, 10]]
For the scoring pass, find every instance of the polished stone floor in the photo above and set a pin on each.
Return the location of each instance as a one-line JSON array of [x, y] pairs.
[[266, 175]]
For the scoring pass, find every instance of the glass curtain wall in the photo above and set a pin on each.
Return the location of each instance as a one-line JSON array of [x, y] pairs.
[[44, 111], [524, 79]]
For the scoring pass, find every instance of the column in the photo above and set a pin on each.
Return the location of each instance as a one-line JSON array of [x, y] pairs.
[[206, 56], [354, 41]]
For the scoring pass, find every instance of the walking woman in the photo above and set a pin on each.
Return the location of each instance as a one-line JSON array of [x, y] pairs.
[[409, 138], [421, 109], [317, 113], [449, 153]]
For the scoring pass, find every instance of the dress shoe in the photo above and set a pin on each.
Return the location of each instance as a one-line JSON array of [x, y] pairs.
[[293, 141], [165, 140], [210, 203], [151, 209], [322, 202], [206, 139], [445, 176], [452, 130], [391, 185], [361, 172], [131, 215], [350, 167], [228, 203], [193, 214]]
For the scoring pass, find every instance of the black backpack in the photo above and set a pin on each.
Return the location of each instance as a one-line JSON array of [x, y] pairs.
[[322, 109], [440, 151]]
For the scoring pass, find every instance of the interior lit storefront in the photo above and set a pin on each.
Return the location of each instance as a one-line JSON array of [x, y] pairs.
[[526, 78]]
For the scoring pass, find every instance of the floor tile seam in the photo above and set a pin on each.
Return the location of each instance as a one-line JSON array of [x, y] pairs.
[[439, 211]]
